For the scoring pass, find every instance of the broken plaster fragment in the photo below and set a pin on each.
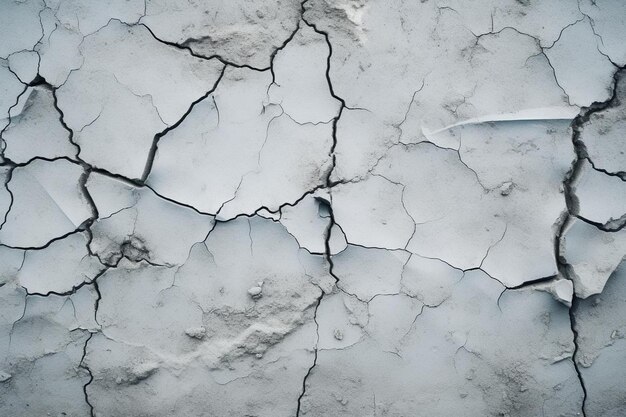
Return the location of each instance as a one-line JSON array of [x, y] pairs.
[[591, 255], [138, 373], [561, 289], [196, 332], [255, 292], [506, 188]]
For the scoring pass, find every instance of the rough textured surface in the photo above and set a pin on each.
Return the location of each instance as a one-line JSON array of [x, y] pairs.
[[312, 208]]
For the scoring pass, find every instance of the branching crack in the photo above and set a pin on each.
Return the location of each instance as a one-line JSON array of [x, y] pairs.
[[82, 365], [329, 186], [158, 136], [572, 211]]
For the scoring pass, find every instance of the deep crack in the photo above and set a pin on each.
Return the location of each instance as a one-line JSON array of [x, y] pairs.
[[329, 186], [572, 212]]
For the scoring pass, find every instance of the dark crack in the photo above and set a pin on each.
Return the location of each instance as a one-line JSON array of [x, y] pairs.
[[328, 185], [572, 211], [155, 143], [572, 317]]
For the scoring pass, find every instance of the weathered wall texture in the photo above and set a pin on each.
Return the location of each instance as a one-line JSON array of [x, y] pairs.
[[329, 208]]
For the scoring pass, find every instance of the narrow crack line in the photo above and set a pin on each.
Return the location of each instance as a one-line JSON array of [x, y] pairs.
[[328, 257], [129, 88], [408, 110], [8, 162], [316, 351], [612, 226], [499, 31], [219, 210], [17, 101], [556, 79], [140, 182], [493, 245], [580, 150], [178, 203], [11, 197], [478, 268], [398, 249], [184, 46], [65, 126], [620, 174], [542, 51], [2, 157], [284, 113], [8, 67], [74, 289], [272, 211], [96, 287], [15, 322], [443, 148], [572, 319], [191, 52], [158, 136], [284, 45], [592, 23], [260, 153], [80, 228], [82, 365], [106, 173], [563, 30], [532, 282]]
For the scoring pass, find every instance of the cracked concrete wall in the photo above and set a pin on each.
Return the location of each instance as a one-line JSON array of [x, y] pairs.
[[320, 208]]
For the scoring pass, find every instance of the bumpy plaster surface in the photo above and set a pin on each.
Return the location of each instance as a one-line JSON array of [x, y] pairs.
[[317, 208]]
